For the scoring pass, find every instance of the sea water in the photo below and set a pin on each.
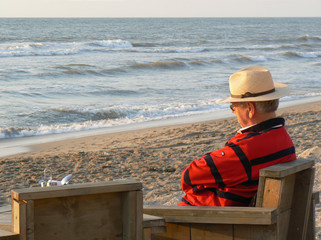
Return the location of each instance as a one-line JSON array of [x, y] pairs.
[[66, 75]]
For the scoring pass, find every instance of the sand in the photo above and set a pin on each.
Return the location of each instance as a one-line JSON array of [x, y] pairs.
[[154, 156]]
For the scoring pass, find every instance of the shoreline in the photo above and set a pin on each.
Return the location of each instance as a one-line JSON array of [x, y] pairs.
[[20, 145]]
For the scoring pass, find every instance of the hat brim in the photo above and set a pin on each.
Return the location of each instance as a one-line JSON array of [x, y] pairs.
[[281, 90]]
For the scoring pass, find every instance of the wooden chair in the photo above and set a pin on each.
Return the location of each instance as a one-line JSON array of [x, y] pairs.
[[105, 210], [281, 211]]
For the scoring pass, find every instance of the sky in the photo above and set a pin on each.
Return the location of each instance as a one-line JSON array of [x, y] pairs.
[[160, 8]]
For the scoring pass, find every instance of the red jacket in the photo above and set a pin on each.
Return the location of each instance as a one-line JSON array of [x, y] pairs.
[[229, 176]]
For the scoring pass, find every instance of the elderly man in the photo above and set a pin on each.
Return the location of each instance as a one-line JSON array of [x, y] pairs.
[[229, 176]]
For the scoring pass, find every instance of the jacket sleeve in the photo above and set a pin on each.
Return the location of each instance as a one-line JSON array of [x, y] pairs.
[[218, 169]]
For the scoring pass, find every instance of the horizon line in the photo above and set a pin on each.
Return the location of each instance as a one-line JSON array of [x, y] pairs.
[[163, 17]]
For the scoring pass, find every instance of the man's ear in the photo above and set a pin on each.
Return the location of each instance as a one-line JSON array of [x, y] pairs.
[[252, 109]]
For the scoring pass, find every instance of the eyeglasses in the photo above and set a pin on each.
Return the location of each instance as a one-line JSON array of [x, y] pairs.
[[234, 105]]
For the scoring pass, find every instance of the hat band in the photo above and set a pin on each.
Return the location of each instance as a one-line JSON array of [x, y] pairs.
[[248, 94]]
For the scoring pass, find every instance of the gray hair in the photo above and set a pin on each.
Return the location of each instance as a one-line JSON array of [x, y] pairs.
[[267, 106]]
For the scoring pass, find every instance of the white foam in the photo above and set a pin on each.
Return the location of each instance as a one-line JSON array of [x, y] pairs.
[[309, 54], [173, 50], [118, 43], [258, 58], [133, 115], [56, 48]]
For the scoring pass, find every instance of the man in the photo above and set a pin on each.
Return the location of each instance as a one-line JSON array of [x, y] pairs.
[[229, 176]]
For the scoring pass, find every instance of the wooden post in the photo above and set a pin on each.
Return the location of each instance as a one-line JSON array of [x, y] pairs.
[[311, 226], [132, 215], [303, 187], [30, 224], [19, 219]]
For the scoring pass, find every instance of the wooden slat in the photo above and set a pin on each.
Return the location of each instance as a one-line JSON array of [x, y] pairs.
[[299, 218], [94, 216], [132, 215], [6, 235], [75, 189], [286, 196], [139, 214], [278, 193], [283, 224], [211, 231], [223, 215], [311, 226], [30, 220], [152, 225], [285, 169], [19, 220], [175, 231], [147, 234], [255, 232], [153, 221], [260, 192], [272, 192], [128, 216]]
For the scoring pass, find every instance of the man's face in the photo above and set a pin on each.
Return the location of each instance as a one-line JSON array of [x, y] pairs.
[[242, 113]]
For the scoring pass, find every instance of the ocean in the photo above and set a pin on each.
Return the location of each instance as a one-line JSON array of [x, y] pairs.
[[67, 75]]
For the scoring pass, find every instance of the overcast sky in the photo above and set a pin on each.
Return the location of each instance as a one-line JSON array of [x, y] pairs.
[[160, 8]]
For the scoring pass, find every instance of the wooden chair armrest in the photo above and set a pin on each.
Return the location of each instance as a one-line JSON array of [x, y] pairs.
[[217, 215], [150, 221], [75, 189], [285, 169]]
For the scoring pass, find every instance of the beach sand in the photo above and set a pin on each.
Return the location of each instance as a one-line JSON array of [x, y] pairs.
[[154, 156]]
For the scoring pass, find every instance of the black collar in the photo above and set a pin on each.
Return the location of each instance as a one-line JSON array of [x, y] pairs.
[[265, 125]]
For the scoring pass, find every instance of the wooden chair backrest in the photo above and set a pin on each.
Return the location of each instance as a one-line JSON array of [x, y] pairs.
[[288, 187], [281, 211], [105, 210]]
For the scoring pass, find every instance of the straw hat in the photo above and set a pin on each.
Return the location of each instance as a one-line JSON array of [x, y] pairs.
[[254, 84]]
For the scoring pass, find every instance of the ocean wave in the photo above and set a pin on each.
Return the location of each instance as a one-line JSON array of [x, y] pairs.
[[175, 63], [279, 43], [302, 54], [113, 92], [74, 65], [87, 114], [76, 69], [73, 115], [73, 119], [144, 44], [37, 49], [57, 48], [243, 58], [81, 119], [81, 72], [13, 132], [308, 37], [177, 50], [73, 48], [159, 65], [90, 70], [115, 44], [293, 97]]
